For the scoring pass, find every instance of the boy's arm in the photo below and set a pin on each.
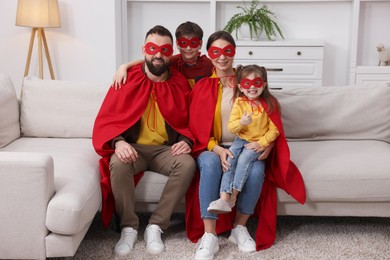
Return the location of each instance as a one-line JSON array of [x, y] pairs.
[[120, 76]]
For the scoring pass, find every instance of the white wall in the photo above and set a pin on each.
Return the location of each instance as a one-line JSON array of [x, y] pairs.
[[82, 49]]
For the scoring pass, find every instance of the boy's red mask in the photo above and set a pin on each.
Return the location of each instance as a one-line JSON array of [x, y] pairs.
[[184, 42], [256, 82], [151, 49], [215, 52]]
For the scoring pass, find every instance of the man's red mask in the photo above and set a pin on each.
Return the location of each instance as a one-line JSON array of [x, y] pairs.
[[151, 49]]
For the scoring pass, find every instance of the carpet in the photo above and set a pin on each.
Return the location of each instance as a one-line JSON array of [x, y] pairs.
[[297, 238]]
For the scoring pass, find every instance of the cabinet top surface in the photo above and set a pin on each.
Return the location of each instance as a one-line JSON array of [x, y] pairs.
[[309, 43]]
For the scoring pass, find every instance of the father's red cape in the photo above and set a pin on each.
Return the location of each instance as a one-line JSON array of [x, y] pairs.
[[279, 172], [122, 108]]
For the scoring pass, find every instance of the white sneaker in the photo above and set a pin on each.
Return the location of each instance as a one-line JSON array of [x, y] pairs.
[[243, 239], [219, 206], [207, 247], [152, 237], [126, 242]]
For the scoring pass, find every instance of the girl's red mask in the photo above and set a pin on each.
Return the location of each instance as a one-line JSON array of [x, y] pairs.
[[256, 82]]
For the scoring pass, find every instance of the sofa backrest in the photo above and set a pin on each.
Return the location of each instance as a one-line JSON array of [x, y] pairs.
[[347, 112], [57, 108], [9, 112]]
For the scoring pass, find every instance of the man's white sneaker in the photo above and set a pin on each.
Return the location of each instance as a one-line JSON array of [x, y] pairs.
[[152, 237], [219, 206], [243, 239], [207, 247], [126, 242]]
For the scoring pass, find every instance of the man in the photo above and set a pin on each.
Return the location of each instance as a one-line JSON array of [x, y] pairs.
[[144, 126]]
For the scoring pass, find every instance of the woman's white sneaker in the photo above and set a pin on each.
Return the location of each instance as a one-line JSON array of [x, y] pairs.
[[126, 242], [243, 239], [207, 247]]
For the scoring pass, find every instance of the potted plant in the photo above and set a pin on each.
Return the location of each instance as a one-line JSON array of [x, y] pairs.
[[257, 19]]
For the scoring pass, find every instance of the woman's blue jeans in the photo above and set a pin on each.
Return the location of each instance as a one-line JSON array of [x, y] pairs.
[[209, 165], [240, 166]]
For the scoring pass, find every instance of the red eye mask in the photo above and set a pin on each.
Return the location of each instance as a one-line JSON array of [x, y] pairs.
[[215, 52], [184, 43], [151, 49], [247, 83]]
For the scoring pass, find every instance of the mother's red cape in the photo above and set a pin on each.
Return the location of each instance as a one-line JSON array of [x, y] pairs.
[[122, 108], [279, 172]]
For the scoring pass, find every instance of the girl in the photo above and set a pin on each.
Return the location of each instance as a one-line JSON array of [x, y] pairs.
[[253, 129]]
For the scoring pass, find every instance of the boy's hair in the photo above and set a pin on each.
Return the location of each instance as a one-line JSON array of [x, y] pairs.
[[189, 28], [243, 72], [220, 35], [160, 30]]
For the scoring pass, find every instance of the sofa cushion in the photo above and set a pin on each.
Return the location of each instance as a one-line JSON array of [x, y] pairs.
[[343, 170], [56, 108], [76, 180], [350, 112], [9, 112]]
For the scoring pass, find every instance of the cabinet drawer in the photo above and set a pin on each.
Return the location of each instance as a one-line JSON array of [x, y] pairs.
[[279, 53], [372, 78], [287, 69]]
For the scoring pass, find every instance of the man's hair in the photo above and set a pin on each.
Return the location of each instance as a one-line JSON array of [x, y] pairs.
[[189, 28], [160, 30]]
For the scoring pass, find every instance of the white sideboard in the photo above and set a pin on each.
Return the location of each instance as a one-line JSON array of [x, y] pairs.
[[288, 63]]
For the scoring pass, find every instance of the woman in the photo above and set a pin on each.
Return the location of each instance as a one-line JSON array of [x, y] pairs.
[[209, 113]]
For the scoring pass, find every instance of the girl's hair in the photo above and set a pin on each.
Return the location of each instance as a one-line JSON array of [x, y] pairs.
[[243, 72], [189, 28], [220, 35]]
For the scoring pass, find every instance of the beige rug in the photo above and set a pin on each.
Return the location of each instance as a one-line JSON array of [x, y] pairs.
[[297, 238]]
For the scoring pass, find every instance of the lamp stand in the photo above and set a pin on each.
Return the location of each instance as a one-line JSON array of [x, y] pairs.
[[41, 40]]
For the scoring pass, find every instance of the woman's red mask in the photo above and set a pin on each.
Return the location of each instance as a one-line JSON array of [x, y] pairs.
[[184, 42], [151, 49], [248, 83], [215, 52]]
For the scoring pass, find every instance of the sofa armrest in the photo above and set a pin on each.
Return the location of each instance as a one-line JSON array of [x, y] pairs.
[[26, 187]]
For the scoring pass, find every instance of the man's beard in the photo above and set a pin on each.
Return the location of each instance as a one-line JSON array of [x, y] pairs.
[[156, 71]]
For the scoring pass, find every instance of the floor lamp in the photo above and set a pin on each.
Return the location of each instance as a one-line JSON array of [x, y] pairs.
[[38, 14]]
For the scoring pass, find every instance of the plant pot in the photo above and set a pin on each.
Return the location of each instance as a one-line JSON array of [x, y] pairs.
[[245, 34]]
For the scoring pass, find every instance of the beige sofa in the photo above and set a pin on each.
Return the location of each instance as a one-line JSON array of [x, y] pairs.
[[339, 138]]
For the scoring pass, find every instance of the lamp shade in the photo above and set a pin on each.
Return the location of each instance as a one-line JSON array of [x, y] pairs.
[[38, 13]]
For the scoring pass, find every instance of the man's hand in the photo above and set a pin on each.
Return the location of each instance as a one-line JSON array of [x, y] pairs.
[[246, 118], [223, 153], [180, 148], [125, 152]]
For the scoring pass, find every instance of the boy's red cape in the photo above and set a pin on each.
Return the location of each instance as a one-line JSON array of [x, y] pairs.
[[122, 108], [280, 172]]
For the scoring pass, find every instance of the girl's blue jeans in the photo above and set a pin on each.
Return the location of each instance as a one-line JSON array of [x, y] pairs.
[[240, 166], [209, 165]]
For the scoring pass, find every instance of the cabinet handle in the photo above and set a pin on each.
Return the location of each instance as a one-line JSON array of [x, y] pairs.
[[250, 53], [299, 53], [274, 69]]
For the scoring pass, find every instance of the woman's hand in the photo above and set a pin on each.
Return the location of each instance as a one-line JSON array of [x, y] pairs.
[[125, 152], [266, 151], [180, 148], [223, 153]]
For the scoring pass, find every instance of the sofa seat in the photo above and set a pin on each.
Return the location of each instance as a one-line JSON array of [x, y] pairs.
[[342, 170], [76, 199]]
